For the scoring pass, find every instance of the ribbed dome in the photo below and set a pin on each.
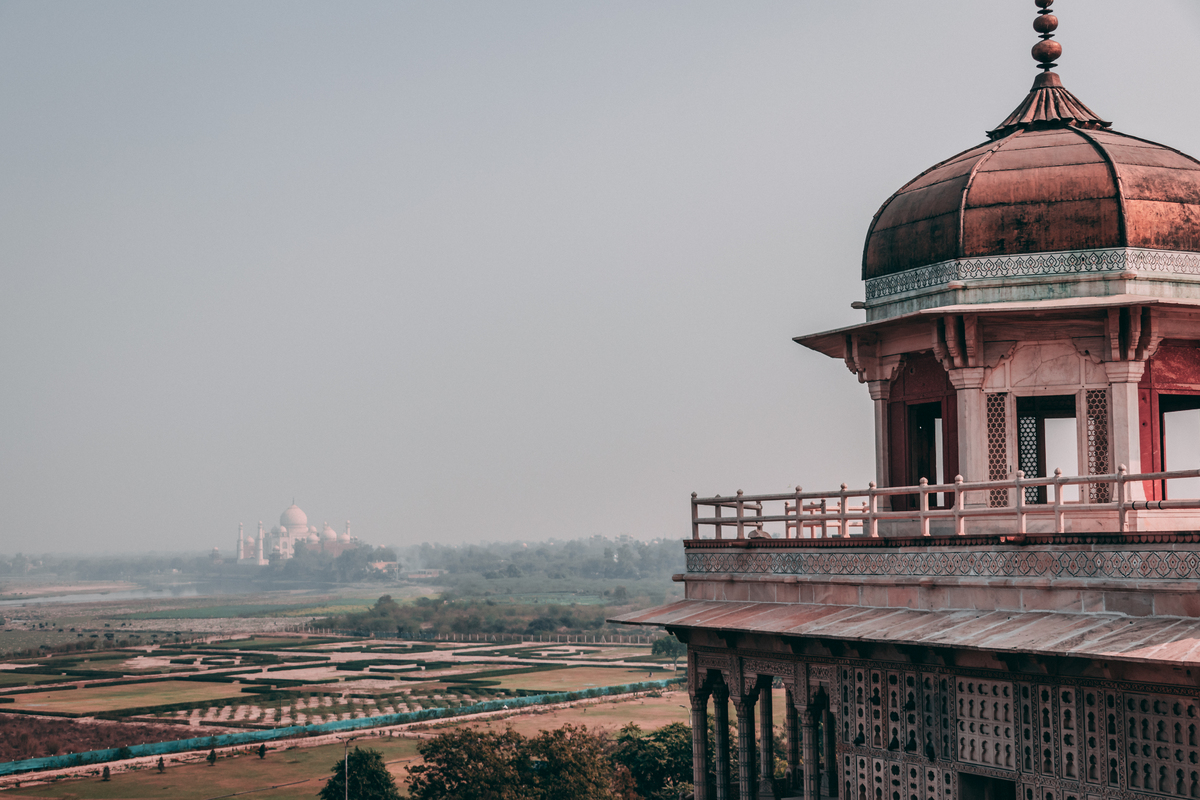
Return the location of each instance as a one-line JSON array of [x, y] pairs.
[[293, 517], [1053, 179]]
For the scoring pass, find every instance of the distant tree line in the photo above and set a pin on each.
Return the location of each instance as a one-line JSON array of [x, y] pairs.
[[351, 566], [109, 568], [430, 616], [594, 558]]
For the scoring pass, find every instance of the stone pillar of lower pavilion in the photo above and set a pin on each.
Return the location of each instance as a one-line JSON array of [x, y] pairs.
[[972, 429], [747, 782], [700, 743], [1124, 440], [766, 735], [793, 743], [720, 698], [880, 392], [808, 752]]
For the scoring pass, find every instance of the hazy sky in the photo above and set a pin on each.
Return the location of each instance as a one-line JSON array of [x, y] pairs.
[[472, 271]]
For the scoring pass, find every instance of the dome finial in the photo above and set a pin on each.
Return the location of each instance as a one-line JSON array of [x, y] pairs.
[[1045, 51]]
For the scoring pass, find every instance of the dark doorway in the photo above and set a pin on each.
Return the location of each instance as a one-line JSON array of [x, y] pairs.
[[924, 438], [922, 429], [1032, 416], [977, 787]]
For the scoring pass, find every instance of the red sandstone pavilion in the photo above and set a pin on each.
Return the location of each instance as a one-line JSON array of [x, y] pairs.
[[977, 625]]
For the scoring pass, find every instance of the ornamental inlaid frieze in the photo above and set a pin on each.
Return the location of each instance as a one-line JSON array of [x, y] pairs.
[[1120, 564], [1077, 262]]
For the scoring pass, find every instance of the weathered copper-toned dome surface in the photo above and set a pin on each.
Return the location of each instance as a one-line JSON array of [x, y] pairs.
[[1052, 179]]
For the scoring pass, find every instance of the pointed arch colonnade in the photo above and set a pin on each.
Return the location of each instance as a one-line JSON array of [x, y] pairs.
[[717, 680]]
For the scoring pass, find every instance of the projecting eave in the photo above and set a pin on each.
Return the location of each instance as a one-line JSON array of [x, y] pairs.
[[1146, 640], [833, 342]]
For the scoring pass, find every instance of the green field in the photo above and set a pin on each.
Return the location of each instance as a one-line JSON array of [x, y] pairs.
[[319, 608], [573, 679], [10, 679], [260, 643], [98, 699]]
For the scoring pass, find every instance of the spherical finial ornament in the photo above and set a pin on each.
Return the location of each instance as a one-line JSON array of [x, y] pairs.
[[1046, 51], [1045, 23], [1043, 3]]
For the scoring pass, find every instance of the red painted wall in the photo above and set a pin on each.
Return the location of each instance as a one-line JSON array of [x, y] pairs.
[[1174, 369]]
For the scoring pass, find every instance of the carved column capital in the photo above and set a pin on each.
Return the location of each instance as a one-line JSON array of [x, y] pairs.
[[967, 378], [1124, 371]]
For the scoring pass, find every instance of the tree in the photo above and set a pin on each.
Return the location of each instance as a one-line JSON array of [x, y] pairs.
[[212, 758], [161, 766], [262, 751], [104, 776], [570, 763], [659, 762], [369, 778], [472, 765], [670, 647]]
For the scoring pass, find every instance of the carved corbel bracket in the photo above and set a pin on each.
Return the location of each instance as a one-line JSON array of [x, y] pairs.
[[863, 359], [958, 341], [1133, 333]]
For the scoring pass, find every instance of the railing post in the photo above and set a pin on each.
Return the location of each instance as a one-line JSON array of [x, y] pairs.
[[1059, 524], [1122, 471], [872, 508], [842, 520], [960, 522], [695, 516], [923, 506], [799, 517], [1020, 504], [718, 509], [824, 522], [741, 515]]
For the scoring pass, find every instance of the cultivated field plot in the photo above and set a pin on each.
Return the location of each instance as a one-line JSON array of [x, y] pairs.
[[98, 699], [9, 679], [573, 679], [306, 769], [267, 681]]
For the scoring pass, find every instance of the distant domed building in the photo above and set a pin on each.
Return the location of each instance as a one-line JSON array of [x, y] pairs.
[[293, 529]]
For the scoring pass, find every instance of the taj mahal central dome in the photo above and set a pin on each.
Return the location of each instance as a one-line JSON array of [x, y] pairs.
[[293, 517]]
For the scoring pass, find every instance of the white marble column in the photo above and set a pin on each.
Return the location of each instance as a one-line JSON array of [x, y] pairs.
[[1124, 435], [880, 392], [972, 429]]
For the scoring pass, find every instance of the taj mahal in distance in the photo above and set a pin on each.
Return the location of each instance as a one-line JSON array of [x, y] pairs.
[[279, 543]]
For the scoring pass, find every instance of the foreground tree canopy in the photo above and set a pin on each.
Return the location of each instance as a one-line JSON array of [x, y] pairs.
[[570, 763], [369, 778]]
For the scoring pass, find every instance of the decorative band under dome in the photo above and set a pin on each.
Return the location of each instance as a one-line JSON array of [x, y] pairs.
[[1070, 262]]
